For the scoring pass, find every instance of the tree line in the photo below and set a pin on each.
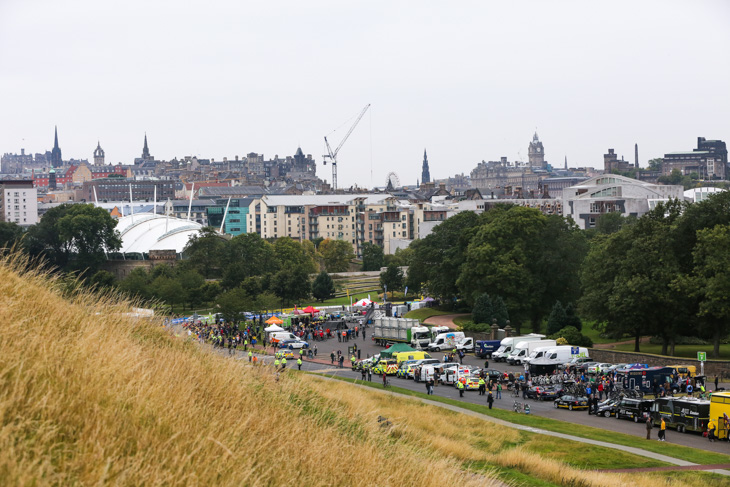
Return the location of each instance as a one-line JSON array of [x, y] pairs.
[[666, 274]]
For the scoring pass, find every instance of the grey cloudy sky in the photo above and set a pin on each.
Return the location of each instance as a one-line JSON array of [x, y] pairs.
[[469, 81]]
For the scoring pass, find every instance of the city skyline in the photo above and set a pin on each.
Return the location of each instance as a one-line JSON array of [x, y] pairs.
[[469, 83]]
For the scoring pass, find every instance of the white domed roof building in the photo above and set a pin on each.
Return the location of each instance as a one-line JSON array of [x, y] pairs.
[[144, 232]]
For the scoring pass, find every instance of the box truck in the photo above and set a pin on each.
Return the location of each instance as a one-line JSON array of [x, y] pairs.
[[509, 343]]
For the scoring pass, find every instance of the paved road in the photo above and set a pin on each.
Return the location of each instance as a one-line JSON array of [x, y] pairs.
[[444, 320]]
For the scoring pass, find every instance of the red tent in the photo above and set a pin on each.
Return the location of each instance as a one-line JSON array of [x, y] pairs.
[[310, 310]]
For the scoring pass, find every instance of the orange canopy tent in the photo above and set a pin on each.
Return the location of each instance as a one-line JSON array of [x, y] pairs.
[[274, 321]]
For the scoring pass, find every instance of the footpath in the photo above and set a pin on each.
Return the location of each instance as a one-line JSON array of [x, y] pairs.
[[723, 469]]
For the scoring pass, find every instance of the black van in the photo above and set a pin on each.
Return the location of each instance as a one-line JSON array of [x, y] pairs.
[[633, 409], [682, 413]]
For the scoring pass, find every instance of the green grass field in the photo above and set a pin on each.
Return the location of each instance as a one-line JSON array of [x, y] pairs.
[[694, 455], [687, 351], [594, 334]]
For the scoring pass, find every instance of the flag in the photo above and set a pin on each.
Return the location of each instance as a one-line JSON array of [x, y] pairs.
[[406, 293]]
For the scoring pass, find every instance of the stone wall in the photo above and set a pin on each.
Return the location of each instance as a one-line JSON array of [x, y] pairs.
[[712, 367]]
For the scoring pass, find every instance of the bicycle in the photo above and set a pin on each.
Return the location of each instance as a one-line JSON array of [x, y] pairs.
[[517, 406], [386, 383]]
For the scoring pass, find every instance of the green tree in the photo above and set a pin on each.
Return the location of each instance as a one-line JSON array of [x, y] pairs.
[[74, 237], [323, 287], [136, 284], [392, 278], [675, 177], [170, 291], [656, 164], [233, 303], [102, 280], [247, 255], [336, 255], [290, 255], [572, 318], [192, 285], [291, 285], [482, 311], [10, 234], [573, 337], [266, 301], [502, 259], [372, 257], [500, 311], [711, 282], [557, 320], [437, 258], [206, 252]]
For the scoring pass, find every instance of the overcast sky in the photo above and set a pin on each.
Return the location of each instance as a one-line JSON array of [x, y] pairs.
[[468, 81]]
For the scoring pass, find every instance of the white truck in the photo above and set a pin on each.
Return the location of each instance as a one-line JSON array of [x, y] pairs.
[[451, 340], [509, 343], [524, 348], [400, 330]]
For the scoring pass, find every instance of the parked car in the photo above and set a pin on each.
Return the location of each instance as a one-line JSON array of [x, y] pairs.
[[293, 344], [286, 353], [472, 383], [633, 409], [547, 393], [598, 368], [614, 367], [583, 368], [607, 408], [493, 374], [576, 361], [571, 402]]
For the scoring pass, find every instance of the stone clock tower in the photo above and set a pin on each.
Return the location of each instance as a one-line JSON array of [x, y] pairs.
[[536, 153]]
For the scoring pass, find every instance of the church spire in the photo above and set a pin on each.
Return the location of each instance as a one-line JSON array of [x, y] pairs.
[[146, 151], [425, 173], [56, 159]]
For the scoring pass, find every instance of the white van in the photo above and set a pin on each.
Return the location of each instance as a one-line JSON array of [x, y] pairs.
[[538, 353], [525, 348], [564, 353], [447, 341], [280, 336], [507, 344]]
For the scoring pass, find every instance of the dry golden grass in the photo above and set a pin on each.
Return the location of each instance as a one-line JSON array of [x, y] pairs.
[[90, 396]]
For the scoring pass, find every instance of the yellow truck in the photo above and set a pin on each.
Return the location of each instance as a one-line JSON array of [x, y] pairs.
[[720, 413]]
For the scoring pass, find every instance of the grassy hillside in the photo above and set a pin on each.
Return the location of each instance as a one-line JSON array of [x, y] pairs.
[[90, 396]]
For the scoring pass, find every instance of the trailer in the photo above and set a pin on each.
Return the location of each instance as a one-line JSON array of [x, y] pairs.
[[388, 330], [644, 380], [682, 413]]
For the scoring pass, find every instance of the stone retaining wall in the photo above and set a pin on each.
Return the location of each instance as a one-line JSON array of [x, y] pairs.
[[712, 367]]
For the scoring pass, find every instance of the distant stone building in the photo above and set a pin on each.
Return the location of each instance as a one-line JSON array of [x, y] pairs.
[[612, 163], [98, 155], [56, 159], [425, 172], [708, 160], [536, 153], [117, 189]]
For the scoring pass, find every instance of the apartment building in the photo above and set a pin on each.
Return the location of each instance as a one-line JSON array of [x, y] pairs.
[[19, 203]]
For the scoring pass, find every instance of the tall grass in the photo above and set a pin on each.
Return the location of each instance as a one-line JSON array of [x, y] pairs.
[[89, 396]]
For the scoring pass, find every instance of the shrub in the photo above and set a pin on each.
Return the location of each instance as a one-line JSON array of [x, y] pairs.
[[573, 337]]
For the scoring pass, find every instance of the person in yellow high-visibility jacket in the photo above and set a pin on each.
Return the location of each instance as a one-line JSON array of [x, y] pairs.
[[460, 386]]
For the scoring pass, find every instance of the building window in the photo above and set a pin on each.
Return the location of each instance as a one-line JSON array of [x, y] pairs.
[[591, 222]]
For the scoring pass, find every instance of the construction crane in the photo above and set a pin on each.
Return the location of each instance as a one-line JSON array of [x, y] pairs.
[[333, 154]]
